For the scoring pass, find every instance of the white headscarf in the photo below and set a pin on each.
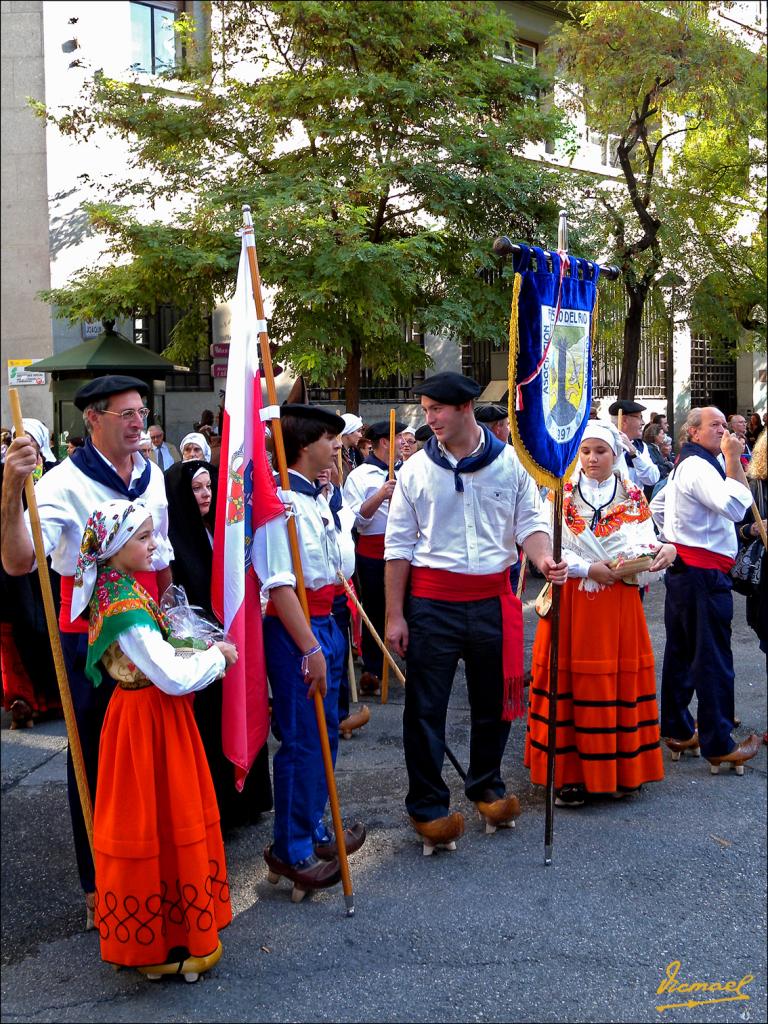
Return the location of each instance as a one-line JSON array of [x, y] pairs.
[[39, 432], [602, 431], [351, 423], [109, 528], [198, 439]]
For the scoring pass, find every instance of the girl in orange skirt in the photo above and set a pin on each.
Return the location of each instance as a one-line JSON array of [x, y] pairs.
[[161, 878], [608, 739]]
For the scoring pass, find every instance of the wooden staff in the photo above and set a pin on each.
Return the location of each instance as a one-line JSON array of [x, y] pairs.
[[388, 659], [620, 419], [76, 750], [759, 523], [385, 669], [521, 578], [293, 537], [339, 463], [351, 678]]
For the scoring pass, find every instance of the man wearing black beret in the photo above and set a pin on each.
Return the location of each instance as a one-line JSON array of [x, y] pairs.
[[640, 467], [461, 506], [367, 491], [108, 466], [496, 418]]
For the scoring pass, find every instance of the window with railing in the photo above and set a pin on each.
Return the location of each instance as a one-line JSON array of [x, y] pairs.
[[713, 377], [609, 343], [154, 44], [395, 388], [153, 330]]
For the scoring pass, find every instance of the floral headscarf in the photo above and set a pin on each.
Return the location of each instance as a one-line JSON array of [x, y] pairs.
[[109, 528]]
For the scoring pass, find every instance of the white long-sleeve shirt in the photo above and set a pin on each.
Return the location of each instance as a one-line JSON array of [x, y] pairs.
[[172, 674], [643, 470], [319, 550], [361, 484], [696, 507], [66, 498], [475, 531]]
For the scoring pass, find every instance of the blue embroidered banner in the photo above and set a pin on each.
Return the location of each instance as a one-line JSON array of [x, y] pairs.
[[550, 359]]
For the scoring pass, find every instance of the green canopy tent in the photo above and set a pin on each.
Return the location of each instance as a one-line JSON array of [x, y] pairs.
[[108, 352]]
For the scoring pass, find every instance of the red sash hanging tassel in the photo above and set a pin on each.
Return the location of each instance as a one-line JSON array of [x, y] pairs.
[[441, 585]]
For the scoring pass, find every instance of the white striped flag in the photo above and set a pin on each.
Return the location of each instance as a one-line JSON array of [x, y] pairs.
[[246, 500]]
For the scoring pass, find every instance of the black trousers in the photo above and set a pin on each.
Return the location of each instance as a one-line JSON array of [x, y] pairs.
[[342, 616], [440, 633], [698, 657], [90, 704], [370, 575]]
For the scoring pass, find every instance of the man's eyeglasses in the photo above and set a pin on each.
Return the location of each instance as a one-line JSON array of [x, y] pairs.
[[126, 415]]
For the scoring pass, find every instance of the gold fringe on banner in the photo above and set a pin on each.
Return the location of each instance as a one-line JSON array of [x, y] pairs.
[[542, 477]]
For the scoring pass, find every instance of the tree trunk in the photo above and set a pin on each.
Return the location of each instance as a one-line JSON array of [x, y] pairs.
[[352, 379], [632, 334]]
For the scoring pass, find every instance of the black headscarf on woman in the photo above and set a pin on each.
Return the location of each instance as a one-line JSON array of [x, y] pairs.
[[192, 553], [191, 567]]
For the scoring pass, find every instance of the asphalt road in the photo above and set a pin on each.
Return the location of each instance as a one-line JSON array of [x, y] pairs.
[[675, 873]]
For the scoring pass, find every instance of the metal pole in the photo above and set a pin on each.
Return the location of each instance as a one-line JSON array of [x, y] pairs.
[[504, 247], [554, 648]]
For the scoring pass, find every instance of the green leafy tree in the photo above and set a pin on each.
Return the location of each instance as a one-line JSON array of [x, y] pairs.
[[378, 144], [684, 100]]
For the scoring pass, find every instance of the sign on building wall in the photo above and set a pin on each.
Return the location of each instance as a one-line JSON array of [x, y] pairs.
[[91, 329], [19, 375]]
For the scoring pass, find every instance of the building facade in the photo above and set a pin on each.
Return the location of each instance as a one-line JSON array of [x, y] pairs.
[[49, 49]]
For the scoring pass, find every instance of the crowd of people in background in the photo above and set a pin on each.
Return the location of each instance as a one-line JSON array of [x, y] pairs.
[[428, 527]]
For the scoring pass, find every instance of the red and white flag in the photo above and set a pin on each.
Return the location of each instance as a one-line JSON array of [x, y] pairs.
[[246, 500]]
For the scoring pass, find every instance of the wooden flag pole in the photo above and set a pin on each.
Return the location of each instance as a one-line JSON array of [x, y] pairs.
[[521, 580], [351, 678], [554, 619], [759, 523], [293, 537], [385, 669], [67, 706]]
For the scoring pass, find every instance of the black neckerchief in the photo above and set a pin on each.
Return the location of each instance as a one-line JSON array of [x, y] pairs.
[[335, 503], [92, 464], [374, 460], [302, 486], [638, 446], [689, 448], [490, 451], [597, 509]]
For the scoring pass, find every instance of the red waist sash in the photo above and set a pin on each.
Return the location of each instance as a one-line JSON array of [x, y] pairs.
[[441, 585], [700, 558], [371, 545], [148, 580], [320, 601]]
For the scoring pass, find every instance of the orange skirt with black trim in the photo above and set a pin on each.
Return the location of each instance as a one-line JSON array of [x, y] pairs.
[[161, 877], [607, 716]]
